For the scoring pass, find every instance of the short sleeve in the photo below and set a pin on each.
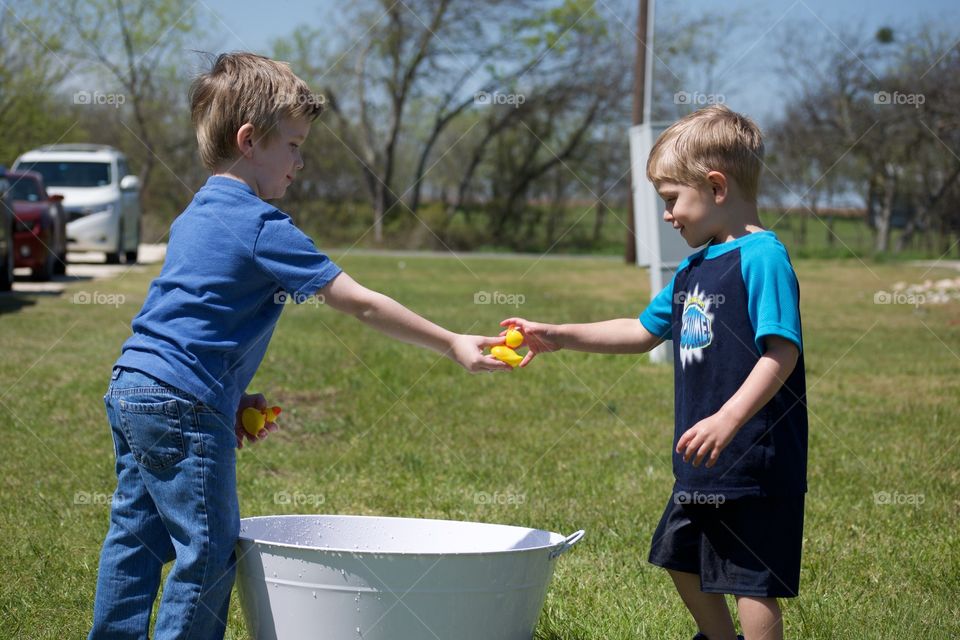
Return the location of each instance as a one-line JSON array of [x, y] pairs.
[[773, 294], [657, 318], [288, 256]]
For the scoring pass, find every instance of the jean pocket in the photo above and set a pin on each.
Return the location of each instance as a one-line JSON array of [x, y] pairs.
[[154, 432]]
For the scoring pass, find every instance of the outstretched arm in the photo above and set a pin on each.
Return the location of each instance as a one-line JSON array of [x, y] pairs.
[[391, 318], [622, 335], [710, 436]]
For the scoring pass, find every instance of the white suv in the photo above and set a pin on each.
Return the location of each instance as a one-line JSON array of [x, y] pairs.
[[100, 197]]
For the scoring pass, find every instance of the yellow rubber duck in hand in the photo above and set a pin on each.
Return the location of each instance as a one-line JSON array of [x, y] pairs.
[[255, 420], [505, 352]]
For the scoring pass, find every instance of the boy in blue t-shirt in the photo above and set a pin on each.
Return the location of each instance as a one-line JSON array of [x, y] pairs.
[[177, 390], [734, 522]]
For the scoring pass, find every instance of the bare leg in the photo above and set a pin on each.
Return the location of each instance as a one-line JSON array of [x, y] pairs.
[[760, 618], [709, 609]]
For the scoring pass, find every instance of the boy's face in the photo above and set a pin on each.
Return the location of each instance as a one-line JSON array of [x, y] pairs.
[[691, 210], [275, 163]]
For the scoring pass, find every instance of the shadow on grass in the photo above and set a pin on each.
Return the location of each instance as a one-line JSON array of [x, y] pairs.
[[11, 301]]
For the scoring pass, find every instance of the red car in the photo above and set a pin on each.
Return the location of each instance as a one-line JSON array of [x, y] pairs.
[[40, 227]]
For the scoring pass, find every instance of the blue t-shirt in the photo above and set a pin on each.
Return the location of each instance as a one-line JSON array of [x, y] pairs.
[[721, 304], [233, 261]]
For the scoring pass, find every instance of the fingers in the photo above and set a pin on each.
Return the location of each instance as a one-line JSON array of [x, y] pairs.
[[527, 358], [510, 321], [695, 445], [704, 449], [259, 401], [689, 443], [489, 363], [713, 457], [491, 341]]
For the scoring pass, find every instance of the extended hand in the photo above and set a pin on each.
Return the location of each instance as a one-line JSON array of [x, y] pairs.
[[707, 439], [467, 351], [537, 337]]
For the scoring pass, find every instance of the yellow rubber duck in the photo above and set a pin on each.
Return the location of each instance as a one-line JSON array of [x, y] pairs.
[[506, 353], [255, 420], [513, 337]]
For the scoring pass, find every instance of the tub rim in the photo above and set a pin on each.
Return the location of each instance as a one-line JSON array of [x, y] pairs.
[[556, 548]]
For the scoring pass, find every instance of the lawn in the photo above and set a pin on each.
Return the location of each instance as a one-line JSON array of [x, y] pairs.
[[575, 441]]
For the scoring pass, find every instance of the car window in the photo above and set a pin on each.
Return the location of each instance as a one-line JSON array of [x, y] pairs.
[[70, 174], [25, 189]]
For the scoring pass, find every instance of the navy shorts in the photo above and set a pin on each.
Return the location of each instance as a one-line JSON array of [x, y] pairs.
[[746, 546]]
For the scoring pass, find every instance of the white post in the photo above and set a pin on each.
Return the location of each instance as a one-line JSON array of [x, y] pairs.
[[648, 224]]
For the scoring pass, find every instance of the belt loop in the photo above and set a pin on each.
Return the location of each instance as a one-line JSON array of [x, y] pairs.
[[116, 373]]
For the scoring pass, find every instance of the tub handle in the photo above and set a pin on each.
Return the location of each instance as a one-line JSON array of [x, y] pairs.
[[565, 546]]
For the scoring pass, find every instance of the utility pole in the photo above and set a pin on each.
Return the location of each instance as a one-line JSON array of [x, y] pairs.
[[639, 87]]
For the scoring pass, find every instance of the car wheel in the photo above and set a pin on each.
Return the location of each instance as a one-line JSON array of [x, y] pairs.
[[45, 272], [6, 271], [132, 256], [60, 266], [113, 257]]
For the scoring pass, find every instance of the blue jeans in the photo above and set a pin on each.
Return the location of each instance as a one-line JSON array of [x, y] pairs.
[[176, 499]]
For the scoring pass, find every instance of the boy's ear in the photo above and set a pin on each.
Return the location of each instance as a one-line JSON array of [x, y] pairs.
[[245, 140], [718, 184]]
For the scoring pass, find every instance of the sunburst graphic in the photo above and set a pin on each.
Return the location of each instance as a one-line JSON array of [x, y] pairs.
[[696, 327]]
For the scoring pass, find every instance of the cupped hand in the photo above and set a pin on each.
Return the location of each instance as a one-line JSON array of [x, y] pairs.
[[257, 401], [467, 351], [537, 337]]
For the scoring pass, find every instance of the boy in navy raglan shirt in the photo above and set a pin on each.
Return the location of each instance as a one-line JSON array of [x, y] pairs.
[[734, 522], [178, 388]]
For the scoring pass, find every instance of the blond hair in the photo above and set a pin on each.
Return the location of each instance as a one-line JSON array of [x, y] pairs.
[[244, 88], [710, 139]]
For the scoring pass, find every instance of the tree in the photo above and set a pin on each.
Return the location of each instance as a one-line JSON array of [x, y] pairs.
[[32, 66], [135, 46]]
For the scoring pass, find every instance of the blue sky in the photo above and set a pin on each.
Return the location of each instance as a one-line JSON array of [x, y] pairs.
[[751, 86]]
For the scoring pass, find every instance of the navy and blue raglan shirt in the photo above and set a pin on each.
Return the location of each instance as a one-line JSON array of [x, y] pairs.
[[722, 303], [232, 262]]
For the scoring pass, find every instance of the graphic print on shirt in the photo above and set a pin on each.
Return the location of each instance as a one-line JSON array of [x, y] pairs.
[[696, 329]]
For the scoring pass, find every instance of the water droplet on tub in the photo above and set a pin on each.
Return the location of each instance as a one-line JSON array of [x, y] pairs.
[[314, 595]]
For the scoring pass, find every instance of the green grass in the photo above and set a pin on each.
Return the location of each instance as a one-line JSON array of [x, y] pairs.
[[576, 441]]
